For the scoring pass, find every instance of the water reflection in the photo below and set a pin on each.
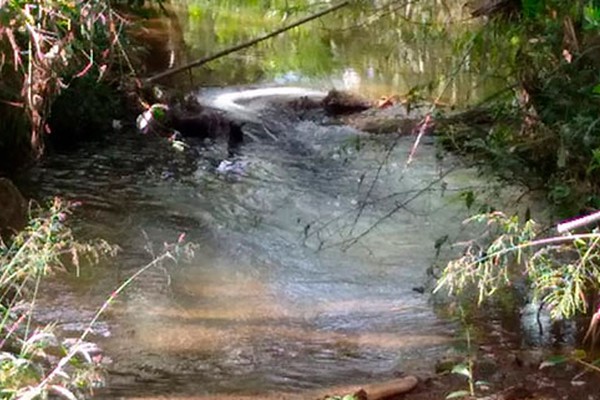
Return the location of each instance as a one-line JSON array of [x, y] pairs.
[[390, 48]]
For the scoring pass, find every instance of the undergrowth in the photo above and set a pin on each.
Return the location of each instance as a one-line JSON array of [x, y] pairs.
[[562, 272], [35, 361], [542, 128]]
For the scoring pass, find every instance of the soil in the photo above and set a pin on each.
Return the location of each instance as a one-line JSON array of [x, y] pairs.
[[512, 375]]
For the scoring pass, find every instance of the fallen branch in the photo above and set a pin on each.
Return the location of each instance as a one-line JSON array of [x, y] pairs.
[[380, 391], [241, 46], [577, 222], [393, 388]]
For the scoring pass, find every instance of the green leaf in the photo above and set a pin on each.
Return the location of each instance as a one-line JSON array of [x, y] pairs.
[[579, 354], [591, 15], [462, 369], [458, 393], [532, 8], [554, 361]]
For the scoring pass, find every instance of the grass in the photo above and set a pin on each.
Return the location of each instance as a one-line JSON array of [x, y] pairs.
[[35, 362]]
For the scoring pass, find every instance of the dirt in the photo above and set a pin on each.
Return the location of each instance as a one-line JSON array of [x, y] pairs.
[[508, 378], [514, 375]]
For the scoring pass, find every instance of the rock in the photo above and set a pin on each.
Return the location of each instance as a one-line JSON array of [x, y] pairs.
[[13, 209], [206, 124], [189, 121], [338, 102]]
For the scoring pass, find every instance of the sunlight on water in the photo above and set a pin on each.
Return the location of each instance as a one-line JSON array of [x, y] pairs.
[[312, 254]]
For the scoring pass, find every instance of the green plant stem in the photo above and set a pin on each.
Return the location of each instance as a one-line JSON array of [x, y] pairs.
[[521, 246], [470, 357], [39, 388], [587, 364]]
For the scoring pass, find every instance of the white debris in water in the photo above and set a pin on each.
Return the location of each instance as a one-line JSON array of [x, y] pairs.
[[117, 125], [232, 167], [179, 145], [229, 101], [142, 122]]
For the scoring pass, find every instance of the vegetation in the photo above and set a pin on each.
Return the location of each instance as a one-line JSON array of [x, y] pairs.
[[27, 352], [35, 361], [541, 129], [61, 50], [561, 272]]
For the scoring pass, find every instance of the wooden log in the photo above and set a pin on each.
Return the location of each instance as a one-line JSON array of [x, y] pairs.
[[388, 389]]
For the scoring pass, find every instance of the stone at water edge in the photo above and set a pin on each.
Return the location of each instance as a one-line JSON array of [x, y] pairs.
[[13, 209], [339, 102]]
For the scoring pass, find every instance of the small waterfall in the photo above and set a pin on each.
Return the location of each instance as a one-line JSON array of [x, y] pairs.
[[247, 104]]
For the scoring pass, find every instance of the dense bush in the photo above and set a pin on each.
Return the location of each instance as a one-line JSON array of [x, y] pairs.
[[47, 48], [544, 123]]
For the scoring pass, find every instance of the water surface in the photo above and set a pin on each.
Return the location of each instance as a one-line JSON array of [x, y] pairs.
[[311, 256]]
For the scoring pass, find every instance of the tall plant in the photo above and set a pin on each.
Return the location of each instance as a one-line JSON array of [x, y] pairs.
[[26, 351], [562, 272], [45, 46]]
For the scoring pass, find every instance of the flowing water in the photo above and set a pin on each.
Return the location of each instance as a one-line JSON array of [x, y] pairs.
[[312, 246], [279, 296]]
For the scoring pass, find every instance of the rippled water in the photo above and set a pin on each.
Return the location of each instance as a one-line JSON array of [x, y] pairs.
[[306, 261]]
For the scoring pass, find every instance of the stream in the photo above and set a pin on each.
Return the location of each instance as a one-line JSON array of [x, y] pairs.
[[312, 253], [310, 264]]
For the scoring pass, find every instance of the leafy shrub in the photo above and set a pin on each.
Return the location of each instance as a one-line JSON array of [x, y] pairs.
[[47, 46], [28, 353], [561, 272]]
